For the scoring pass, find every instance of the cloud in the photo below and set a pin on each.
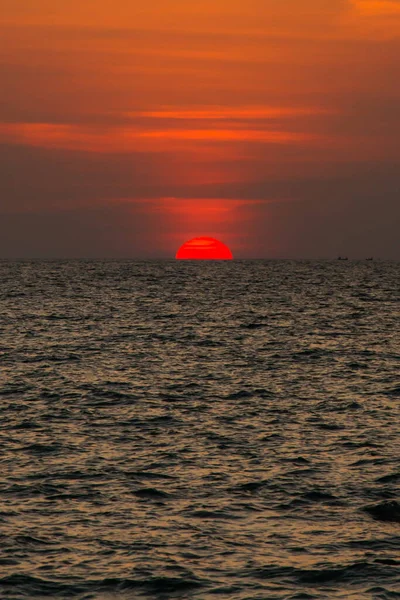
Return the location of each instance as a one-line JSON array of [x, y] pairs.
[[377, 7], [373, 19], [156, 130]]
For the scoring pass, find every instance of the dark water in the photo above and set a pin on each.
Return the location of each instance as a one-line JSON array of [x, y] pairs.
[[200, 430]]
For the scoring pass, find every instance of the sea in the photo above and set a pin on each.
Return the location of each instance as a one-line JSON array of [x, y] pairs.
[[200, 429]]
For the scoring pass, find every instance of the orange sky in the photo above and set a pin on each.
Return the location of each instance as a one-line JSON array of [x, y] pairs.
[[126, 128]]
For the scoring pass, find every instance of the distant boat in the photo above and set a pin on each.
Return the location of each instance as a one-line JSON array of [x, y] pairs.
[[342, 258], [370, 258]]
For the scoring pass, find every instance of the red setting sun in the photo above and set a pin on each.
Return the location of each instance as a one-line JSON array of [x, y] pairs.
[[204, 248]]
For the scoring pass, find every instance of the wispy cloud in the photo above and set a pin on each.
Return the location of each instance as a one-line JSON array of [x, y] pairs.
[[377, 7], [373, 19], [122, 139], [222, 113]]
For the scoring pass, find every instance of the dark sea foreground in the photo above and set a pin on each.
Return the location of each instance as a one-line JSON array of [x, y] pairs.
[[224, 430]]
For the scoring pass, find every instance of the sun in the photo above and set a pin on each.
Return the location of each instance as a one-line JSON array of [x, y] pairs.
[[204, 248]]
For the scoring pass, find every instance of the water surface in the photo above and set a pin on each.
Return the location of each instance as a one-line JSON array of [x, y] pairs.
[[211, 430]]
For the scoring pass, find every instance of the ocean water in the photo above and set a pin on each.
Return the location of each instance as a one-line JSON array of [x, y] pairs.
[[210, 430]]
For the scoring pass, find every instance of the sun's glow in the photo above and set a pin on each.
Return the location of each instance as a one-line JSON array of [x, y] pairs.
[[204, 248]]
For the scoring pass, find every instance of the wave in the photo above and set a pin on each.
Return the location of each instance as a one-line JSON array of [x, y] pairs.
[[151, 494], [360, 571], [37, 587], [384, 511]]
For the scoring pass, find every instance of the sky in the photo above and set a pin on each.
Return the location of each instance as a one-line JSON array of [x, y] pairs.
[[127, 128]]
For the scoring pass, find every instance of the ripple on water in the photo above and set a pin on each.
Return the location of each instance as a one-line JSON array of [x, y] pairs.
[[199, 430]]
